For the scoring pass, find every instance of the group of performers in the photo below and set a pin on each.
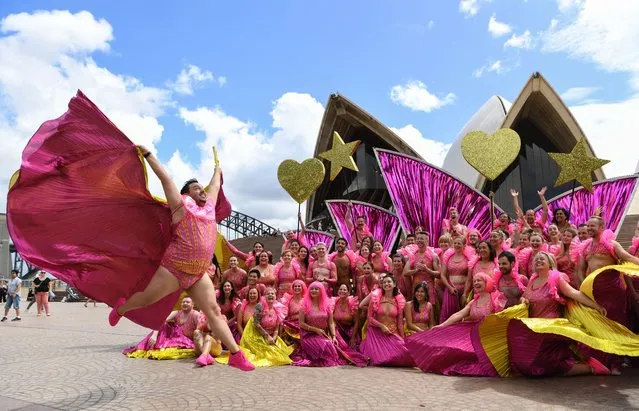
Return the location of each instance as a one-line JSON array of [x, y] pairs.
[[424, 306], [538, 297]]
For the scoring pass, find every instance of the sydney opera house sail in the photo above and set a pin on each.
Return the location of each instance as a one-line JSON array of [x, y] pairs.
[[542, 120]]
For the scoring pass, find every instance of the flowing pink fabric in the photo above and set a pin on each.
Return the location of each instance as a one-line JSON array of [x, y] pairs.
[[383, 224], [613, 195], [313, 237], [81, 210], [170, 335], [422, 195], [451, 350]]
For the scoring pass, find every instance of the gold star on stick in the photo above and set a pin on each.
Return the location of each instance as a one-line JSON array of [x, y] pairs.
[[341, 155], [577, 165]]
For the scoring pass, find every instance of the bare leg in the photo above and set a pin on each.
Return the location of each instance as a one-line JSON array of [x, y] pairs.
[[198, 340], [162, 284], [203, 295], [206, 346]]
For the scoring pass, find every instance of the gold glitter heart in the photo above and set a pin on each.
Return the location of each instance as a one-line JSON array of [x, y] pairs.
[[301, 180], [491, 154]]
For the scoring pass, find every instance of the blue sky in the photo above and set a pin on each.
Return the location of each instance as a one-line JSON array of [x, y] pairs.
[[361, 49]]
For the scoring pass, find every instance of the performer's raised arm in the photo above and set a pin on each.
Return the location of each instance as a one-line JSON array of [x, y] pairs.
[[214, 185], [170, 189]]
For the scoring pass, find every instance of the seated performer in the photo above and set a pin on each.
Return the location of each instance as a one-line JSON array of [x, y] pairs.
[[508, 281], [206, 344], [174, 340], [188, 256], [260, 340], [419, 311]]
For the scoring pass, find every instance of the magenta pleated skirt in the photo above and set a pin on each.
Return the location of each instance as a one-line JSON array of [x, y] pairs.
[[451, 350], [450, 303], [170, 335], [385, 349], [538, 355], [317, 351]]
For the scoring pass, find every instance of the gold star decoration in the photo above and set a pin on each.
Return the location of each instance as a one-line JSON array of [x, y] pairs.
[[577, 165], [341, 155]]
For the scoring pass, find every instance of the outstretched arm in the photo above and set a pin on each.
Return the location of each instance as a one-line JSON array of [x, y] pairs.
[[515, 196], [624, 255], [544, 204], [214, 185], [170, 190], [567, 290]]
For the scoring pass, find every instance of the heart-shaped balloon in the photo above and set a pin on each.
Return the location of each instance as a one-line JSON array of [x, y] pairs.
[[301, 180], [491, 154]]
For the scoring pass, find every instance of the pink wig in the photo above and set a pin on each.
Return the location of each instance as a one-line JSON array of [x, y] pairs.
[[307, 303], [302, 283], [490, 284], [497, 299]]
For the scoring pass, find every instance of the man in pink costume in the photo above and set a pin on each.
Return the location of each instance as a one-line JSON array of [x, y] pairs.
[[188, 255], [357, 231]]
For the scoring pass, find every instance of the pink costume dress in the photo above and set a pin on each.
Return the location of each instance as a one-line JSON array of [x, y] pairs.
[[175, 334], [291, 323], [191, 250], [238, 278], [540, 355], [427, 258], [80, 171], [227, 307], [420, 318], [318, 351], [344, 315], [566, 265], [380, 264], [358, 236], [284, 277], [385, 349], [268, 276], [243, 293], [455, 267], [366, 286], [325, 273], [247, 312], [456, 349], [457, 230]]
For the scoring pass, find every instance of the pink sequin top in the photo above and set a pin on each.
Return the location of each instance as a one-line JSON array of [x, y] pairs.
[[479, 312], [482, 267], [193, 243], [267, 277], [285, 277], [294, 307], [510, 290], [542, 303], [421, 317], [188, 322], [317, 318], [457, 267], [228, 307], [345, 310], [566, 266], [270, 320], [247, 312], [238, 278]]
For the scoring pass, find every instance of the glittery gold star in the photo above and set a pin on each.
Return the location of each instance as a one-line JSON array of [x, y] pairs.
[[577, 165], [341, 155]]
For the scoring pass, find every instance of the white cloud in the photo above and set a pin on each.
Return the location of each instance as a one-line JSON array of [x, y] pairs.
[[44, 59], [578, 94], [610, 128], [431, 150], [566, 5], [523, 41], [249, 157], [497, 67], [416, 96], [605, 33], [193, 77], [498, 28], [470, 8]]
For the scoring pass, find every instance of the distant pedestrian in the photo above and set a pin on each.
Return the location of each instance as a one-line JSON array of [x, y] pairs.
[[42, 287], [3, 291], [13, 296]]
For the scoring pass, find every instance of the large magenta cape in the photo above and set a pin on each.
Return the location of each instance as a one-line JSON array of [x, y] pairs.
[[81, 210]]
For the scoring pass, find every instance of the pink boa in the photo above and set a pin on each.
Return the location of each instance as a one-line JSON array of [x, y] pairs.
[[352, 303], [459, 228], [280, 309], [408, 250], [451, 252], [429, 255], [526, 253], [607, 237], [497, 226], [497, 299], [384, 257], [278, 267], [376, 297], [553, 280]]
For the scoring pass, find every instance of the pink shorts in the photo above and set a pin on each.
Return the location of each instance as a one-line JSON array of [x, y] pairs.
[[186, 280]]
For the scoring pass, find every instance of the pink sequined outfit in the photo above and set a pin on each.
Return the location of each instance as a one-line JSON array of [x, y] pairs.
[[193, 244]]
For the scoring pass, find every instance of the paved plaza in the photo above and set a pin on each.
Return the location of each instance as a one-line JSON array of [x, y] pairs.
[[72, 361]]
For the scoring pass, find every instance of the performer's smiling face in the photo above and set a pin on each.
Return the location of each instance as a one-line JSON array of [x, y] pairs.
[[197, 193]]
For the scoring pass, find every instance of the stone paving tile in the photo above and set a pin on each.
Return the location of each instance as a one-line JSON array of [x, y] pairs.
[[73, 361]]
